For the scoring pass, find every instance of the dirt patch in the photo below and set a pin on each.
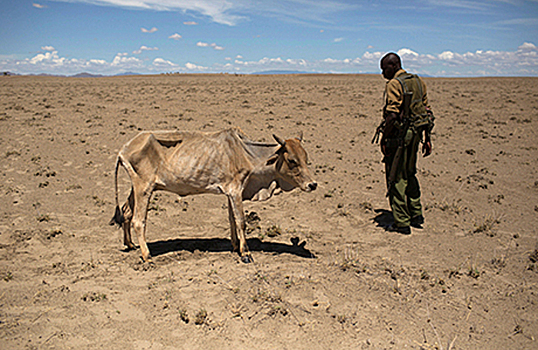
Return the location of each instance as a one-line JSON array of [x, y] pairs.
[[325, 274]]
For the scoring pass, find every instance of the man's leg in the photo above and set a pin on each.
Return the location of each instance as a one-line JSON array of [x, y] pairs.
[[414, 205], [413, 197], [399, 203]]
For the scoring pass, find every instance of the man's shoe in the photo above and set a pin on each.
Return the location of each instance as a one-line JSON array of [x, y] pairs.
[[404, 230], [417, 221]]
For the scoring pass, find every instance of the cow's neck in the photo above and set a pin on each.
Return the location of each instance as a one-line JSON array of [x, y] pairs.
[[259, 152]]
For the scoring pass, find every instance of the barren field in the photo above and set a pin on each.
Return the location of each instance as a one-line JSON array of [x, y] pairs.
[[326, 274]]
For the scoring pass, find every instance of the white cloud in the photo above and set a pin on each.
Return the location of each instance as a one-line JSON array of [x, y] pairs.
[[407, 52], [190, 23], [330, 60], [144, 48], [47, 58], [52, 63], [152, 30], [162, 63], [232, 12], [527, 46], [219, 11], [447, 55], [214, 46], [175, 36], [194, 67], [373, 56], [121, 59], [39, 6], [98, 62], [522, 61], [338, 40]]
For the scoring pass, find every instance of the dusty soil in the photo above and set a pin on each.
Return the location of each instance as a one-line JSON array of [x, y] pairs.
[[326, 274]]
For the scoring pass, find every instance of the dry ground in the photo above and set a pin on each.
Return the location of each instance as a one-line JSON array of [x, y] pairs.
[[326, 274]]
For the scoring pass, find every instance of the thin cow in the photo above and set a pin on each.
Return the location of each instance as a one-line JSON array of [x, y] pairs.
[[188, 163]]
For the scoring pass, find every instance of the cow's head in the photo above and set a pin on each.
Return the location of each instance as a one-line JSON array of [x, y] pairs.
[[291, 164]]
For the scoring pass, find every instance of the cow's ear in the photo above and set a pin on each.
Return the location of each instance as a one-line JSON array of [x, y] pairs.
[[272, 159], [279, 140], [300, 136]]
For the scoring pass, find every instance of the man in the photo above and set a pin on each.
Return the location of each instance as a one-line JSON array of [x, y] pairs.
[[402, 133]]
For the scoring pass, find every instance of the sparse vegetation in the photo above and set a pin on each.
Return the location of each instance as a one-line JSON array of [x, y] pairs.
[[473, 272], [73, 187], [8, 276], [252, 222], [454, 207], [98, 201], [486, 226], [200, 317], [53, 233], [277, 309], [183, 315], [43, 218], [366, 206], [94, 297], [499, 263], [273, 231]]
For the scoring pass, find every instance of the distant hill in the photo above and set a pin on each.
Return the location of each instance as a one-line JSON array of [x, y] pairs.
[[79, 75], [90, 75], [86, 75], [277, 72], [127, 73]]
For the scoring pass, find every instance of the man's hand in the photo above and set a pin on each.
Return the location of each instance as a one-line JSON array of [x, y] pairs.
[[389, 130], [427, 148]]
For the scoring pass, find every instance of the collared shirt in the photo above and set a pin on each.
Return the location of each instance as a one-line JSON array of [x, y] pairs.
[[394, 93]]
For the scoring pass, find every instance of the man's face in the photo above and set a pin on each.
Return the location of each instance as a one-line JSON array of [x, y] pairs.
[[389, 69]]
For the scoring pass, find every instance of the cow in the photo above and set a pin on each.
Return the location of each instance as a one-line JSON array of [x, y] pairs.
[[224, 162]]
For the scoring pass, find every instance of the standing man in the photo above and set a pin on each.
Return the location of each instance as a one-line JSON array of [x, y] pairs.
[[407, 118]]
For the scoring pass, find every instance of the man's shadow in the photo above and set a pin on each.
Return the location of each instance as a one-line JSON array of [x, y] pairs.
[[225, 245], [383, 218]]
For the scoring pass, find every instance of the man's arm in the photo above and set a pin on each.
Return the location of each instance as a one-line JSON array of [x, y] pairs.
[[427, 147]]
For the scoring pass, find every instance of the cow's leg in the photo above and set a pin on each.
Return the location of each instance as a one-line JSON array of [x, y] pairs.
[[233, 226], [236, 203], [138, 223], [127, 211]]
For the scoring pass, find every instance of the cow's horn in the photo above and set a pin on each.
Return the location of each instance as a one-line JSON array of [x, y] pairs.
[[279, 140]]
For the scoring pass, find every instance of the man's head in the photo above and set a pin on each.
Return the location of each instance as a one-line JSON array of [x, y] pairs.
[[390, 64]]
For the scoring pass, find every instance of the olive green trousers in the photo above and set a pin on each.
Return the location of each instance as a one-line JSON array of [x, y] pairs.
[[404, 195]]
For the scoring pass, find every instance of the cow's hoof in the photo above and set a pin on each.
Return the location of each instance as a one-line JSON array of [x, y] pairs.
[[247, 259], [129, 248], [147, 260]]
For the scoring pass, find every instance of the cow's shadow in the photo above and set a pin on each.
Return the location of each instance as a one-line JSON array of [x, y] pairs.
[[225, 245]]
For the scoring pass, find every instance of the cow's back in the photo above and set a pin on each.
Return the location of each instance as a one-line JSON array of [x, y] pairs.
[[188, 162]]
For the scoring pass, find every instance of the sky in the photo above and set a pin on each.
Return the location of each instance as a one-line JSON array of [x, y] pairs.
[[433, 37]]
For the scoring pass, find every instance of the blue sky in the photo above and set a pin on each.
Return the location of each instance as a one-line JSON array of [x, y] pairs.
[[434, 37]]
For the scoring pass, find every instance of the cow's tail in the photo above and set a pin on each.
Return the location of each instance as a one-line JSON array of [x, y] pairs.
[[118, 218]]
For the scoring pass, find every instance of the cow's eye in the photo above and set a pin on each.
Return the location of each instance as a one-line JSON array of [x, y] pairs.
[[292, 162]]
